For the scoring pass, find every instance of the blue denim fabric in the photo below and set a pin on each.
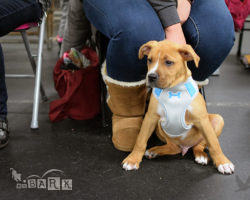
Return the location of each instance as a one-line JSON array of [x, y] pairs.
[[210, 31], [14, 13], [129, 23]]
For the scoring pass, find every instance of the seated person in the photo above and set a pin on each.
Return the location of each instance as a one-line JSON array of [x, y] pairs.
[[206, 25], [14, 13]]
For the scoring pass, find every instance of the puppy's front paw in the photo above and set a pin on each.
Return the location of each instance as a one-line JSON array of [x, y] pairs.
[[132, 162], [227, 168], [223, 164]]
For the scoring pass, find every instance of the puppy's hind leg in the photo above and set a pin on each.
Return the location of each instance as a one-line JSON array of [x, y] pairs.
[[201, 157], [217, 122], [167, 149]]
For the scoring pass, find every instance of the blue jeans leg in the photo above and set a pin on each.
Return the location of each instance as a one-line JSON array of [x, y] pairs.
[[3, 90], [14, 13], [210, 31], [128, 24]]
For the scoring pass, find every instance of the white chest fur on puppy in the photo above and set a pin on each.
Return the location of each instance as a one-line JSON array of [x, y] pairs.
[[173, 104]]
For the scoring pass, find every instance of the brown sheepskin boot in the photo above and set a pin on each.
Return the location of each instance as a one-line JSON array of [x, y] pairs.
[[127, 102]]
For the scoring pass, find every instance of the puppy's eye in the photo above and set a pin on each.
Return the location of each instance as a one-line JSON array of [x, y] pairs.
[[169, 63], [149, 60]]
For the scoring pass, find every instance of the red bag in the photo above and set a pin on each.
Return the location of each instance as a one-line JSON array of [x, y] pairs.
[[78, 90], [239, 10]]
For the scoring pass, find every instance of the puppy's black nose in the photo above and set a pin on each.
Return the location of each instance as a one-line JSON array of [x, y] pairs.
[[152, 77]]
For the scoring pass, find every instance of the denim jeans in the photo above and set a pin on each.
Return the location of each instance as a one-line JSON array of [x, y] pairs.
[[14, 13], [129, 24]]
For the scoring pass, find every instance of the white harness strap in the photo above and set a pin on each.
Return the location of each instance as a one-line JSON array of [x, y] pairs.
[[175, 102]]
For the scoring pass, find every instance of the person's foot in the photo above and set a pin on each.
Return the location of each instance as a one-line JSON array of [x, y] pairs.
[[4, 133]]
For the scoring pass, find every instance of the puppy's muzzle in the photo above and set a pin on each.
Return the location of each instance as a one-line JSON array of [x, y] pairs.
[[152, 77]]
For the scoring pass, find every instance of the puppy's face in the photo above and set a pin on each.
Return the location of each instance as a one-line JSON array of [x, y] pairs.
[[167, 62]]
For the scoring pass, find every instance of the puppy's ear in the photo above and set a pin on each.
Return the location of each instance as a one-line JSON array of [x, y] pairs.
[[146, 48], [188, 54]]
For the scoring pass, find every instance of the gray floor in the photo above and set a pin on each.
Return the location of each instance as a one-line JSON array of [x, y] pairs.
[[84, 152]]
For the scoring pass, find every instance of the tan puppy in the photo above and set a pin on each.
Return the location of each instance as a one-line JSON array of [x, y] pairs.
[[167, 69]]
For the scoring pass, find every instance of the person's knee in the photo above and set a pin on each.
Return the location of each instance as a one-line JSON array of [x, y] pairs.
[[127, 29], [128, 38], [212, 42], [224, 31], [122, 54], [139, 30], [212, 53], [115, 22]]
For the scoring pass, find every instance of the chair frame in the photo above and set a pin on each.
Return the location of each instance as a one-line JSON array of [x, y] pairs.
[[37, 70], [100, 44], [34, 121], [241, 38]]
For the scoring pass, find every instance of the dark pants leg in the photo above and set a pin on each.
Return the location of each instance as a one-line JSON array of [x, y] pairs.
[[14, 13]]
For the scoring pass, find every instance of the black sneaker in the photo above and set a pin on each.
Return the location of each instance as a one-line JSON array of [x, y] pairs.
[[4, 133]]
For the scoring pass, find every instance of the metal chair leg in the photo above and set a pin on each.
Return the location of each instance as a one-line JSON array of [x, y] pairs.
[[240, 43], [202, 91], [103, 100], [32, 61], [34, 122]]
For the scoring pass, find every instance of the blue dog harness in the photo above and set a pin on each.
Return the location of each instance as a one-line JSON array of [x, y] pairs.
[[175, 102]]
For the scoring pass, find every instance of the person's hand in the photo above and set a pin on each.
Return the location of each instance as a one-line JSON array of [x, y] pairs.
[[175, 34], [183, 10]]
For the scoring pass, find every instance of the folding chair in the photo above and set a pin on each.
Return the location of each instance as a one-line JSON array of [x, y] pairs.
[[201, 85], [241, 37], [35, 67], [101, 43]]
